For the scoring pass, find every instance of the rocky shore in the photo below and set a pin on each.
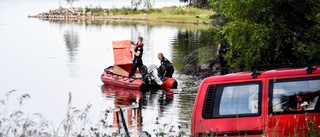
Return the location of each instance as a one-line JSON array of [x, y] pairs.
[[209, 68]]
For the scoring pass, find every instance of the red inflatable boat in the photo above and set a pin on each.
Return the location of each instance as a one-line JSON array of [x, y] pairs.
[[109, 78], [117, 75]]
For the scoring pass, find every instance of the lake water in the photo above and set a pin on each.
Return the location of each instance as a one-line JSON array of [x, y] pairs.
[[47, 60]]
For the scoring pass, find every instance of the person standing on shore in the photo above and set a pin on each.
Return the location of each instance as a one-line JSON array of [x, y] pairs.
[[166, 68], [137, 60], [221, 51]]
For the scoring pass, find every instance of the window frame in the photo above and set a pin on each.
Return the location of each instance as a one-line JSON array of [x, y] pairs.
[[270, 96], [217, 96]]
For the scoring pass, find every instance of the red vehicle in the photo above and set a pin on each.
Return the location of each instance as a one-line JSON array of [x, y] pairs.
[[281, 102]]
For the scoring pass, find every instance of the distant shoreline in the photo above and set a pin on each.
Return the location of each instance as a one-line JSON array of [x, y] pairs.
[[183, 15]]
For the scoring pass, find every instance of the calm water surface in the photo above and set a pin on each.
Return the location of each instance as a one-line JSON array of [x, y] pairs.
[[47, 60]]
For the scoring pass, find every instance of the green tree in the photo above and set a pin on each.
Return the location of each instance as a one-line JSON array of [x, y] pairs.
[[186, 1], [135, 4], [71, 2], [197, 3], [261, 32]]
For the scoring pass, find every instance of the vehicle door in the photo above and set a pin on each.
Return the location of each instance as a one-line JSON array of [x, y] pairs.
[[293, 105], [233, 109]]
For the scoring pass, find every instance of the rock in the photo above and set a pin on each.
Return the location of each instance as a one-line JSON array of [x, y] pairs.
[[205, 65], [76, 9], [205, 73], [144, 134], [51, 16], [71, 10], [64, 11], [215, 67], [83, 11], [215, 59], [189, 69], [207, 69], [57, 11]]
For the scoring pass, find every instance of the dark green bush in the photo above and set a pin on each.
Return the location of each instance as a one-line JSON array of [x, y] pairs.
[[153, 11], [178, 11], [97, 10]]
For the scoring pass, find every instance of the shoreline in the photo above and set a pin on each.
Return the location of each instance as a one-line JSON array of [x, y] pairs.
[[99, 18], [73, 14], [126, 19]]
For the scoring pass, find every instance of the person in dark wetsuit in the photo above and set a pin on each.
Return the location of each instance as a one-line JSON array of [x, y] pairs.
[[221, 51], [166, 68], [137, 60]]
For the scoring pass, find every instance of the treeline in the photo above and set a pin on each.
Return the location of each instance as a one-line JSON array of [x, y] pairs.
[[198, 3], [264, 32]]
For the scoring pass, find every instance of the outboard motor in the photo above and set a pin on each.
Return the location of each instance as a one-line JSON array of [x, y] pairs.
[[153, 74]]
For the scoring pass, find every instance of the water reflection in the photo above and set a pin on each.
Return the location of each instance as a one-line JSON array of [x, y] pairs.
[[129, 117], [186, 104], [165, 101], [72, 42], [187, 40], [154, 104], [191, 47]]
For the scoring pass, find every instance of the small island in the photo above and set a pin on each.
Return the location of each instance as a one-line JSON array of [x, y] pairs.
[[173, 14]]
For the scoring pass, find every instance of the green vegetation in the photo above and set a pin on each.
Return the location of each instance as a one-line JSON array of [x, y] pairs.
[[14, 122], [193, 46], [71, 2], [261, 32], [150, 24], [169, 14], [205, 54]]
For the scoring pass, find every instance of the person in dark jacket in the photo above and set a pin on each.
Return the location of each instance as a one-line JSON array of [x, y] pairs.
[[297, 104], [166, 68], [221, 51], [137, 60]]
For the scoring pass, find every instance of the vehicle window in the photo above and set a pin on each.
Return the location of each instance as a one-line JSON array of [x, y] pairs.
[[295, 95], [233, 100], [242, 99]]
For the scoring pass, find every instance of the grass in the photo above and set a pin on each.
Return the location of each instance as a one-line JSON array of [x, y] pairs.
[[13, 122], [170, 14], [130, 23], [205, 53], [16, 123]]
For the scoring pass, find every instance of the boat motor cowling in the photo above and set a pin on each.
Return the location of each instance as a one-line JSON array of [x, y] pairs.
[[153, 74]]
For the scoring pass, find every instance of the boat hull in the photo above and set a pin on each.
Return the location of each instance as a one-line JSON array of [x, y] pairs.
[[169, 82], [122, 81]]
